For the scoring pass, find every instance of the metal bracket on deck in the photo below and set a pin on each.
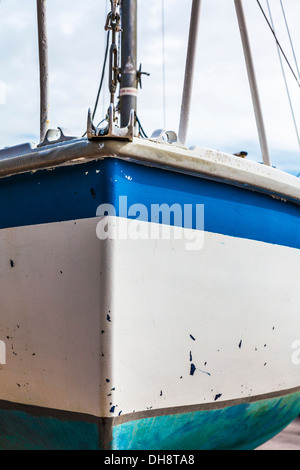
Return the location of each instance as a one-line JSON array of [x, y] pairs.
[[166, 137], [111, 130], [55, 136]]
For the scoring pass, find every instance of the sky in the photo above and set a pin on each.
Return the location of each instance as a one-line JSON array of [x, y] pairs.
[[222, 116]]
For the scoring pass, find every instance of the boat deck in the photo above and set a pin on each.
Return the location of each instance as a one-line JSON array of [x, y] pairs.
[[288, 439]]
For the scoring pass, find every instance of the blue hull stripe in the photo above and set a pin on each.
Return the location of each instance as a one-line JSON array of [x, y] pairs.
[[75, 192]]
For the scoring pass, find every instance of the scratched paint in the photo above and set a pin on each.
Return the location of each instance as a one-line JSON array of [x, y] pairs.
[[218, 307]]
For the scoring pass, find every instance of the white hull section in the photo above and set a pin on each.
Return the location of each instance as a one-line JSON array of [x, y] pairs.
[[109, 327]]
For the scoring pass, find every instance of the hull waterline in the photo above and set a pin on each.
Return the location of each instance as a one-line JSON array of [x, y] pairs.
[[140, 342]]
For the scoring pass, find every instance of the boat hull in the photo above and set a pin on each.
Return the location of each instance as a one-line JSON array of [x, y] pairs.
[[28, 428], [118, 337], [235, 427]]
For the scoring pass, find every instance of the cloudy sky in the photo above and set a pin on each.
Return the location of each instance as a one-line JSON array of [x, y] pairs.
[[222, 116]]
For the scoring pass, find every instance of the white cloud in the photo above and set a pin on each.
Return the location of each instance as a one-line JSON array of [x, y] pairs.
[[69, 21], [2, 92]]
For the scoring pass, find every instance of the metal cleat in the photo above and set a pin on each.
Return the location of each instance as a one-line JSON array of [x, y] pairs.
[[111, 130]]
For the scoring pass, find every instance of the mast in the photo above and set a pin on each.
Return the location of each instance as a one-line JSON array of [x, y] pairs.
[[252, 82], [189, 71], [43, 62], [129, 77]]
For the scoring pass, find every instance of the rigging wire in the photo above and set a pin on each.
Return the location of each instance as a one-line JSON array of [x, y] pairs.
[[278, 43], [103, 95], [141, 130], [102, 78], [163, 60], [290, 38], [284, 77], [102, 75]]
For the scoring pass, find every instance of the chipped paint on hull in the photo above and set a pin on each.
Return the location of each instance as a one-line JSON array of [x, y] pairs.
[[209, 326]]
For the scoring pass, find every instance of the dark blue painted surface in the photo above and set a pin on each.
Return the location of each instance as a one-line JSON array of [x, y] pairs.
[[75, 192]]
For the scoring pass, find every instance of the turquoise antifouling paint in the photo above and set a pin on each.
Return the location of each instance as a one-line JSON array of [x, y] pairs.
[[243, 426], [22, 431], [240, 427]]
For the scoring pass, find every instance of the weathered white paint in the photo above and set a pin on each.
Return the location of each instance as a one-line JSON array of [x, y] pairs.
[[51, 303], [238, 298], [78, 311]]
